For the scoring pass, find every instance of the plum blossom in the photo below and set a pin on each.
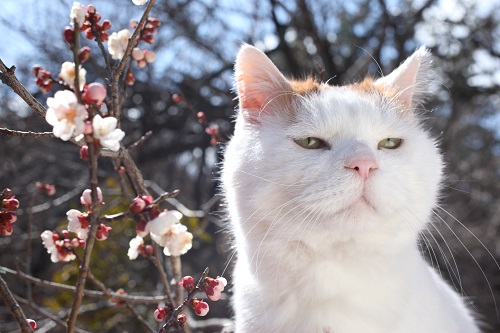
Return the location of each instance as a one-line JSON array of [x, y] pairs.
[[160, 314], [134, 246], [177, 241], [78, 223], [139, 2], [67, 74], [77, 14], [106, 132], [166, 230], [65, 115], [58, 248], [117, 43], [162, 224], [102, 232]]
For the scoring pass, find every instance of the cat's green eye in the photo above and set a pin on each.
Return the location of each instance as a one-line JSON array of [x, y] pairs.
[[390, 143], [310, 143]]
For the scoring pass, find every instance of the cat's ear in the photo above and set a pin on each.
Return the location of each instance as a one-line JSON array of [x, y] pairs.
[[410, 81], [258, 82]]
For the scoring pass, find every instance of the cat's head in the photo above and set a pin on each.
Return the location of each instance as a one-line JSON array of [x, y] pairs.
[[353, 156]]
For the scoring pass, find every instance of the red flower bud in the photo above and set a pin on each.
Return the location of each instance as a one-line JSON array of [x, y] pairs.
[[32, 323], [84, 54], [130, 79], [137, 205], [89, 34], [102, 232], [188, 283], [181, 319], [155, 22], [106, 25], [104, 36], [8, 217], [133, 24], [50, 189], [69, 35], [10, 204], [150, 39], [46, 87], [96, 17], [84, 153], [160, 314], [35, 69], [177, 98], [200, 307], [6, 229]]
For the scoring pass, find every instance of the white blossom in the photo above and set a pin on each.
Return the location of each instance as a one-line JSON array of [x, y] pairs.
[[161, 225], [134, 245], [139, 2], [75, 219], [67, 74], [105, 130], [117, 43], [66, 115], [77, 14]]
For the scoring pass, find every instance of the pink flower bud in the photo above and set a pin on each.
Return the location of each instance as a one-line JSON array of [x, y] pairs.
[[46, 87], [153, 21], [160, 314], [188, 283], [84, 54], [84, 153], [104, 36], [137, 54], [150, 56], [86, 197], [96, 17], [32, 323], [150, 39], [200, 307], [102, 232], [94, 93], [69, 35], [35, 69], [177, 98], [10, 204], [202, 118], [137, 205], [50, 189], [133, 24], [141, 63], [65, 234], [91, 9]]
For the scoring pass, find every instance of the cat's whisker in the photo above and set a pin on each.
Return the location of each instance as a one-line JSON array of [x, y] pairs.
[[470, 253]]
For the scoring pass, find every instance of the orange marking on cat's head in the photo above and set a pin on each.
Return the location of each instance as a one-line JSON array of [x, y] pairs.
[[305, 87], [369, 86]]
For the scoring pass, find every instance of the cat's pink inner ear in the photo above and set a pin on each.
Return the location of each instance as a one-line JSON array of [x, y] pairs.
[[258, 81], [410, 81]]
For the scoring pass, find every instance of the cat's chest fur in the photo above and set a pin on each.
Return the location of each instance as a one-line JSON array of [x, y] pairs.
[[328, 189]]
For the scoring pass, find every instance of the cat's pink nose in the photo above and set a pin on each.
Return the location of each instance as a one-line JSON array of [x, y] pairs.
[[362, 165]]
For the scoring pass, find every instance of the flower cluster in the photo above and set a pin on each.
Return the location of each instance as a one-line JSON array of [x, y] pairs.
[[60, 245], [49, 189], [43, 78], [143, 57], [92, 27], [164, 227], [7, 216]]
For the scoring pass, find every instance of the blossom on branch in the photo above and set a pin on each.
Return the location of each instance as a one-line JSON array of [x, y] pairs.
[[86, 198], [59, 249], [67, 74], [106, 132], [117, 43], [77, 14], [135, 244], [78, 223], [139, 2], [66, 115]]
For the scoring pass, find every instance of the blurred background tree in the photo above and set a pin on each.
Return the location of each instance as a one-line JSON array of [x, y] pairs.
[[196, 46]]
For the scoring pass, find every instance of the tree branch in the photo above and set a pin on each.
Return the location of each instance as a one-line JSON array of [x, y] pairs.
[[26, 134], [14, 307]]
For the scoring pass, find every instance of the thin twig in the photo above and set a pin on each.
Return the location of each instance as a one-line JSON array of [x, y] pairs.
[[89, 245], [26, 134], [139, 142], [161, 272], [47, 314], [29, 250], [14, 307], [87, 292]]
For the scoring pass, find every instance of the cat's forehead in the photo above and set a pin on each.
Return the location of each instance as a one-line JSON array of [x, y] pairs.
[[354, 108]]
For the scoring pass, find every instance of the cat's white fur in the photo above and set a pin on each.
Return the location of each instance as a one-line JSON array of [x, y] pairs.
[[319, 249]]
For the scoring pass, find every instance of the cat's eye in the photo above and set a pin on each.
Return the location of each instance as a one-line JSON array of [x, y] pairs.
[[310, 143], [390, 143]]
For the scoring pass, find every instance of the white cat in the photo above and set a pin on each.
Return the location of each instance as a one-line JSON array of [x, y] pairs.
[[328, 189]]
